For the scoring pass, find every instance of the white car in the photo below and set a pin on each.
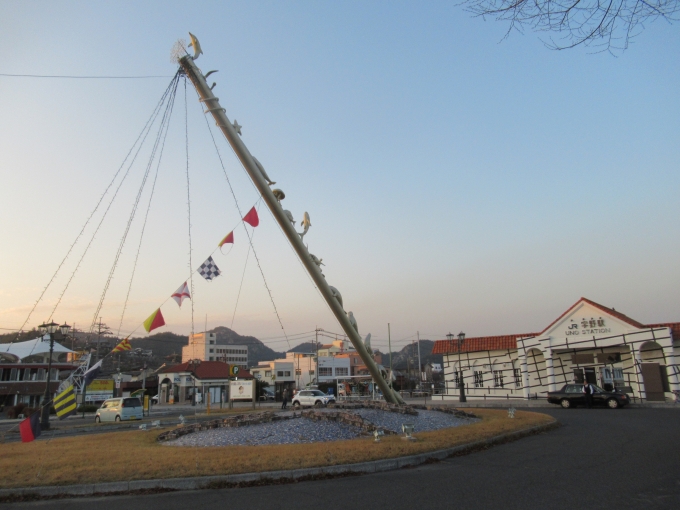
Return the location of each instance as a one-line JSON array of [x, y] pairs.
[[120, 409], [312, 398]]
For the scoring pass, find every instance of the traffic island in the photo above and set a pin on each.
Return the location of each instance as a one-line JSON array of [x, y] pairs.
[[137, 461]]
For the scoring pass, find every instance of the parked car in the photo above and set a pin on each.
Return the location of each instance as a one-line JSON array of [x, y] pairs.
[[312, 398], [571, 395], [119, 409], [267, 394], [155, 399]]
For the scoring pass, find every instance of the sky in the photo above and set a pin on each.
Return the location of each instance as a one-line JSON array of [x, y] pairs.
[[455, 180]]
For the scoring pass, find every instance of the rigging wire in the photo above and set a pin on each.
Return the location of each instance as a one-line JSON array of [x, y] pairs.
[[144, 133], [191, 265], [250, 240], [125, 233], [238, 296], [81, 77], [165, 124]]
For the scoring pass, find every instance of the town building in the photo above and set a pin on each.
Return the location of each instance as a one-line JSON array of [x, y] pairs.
[[587, 342], [204, 346], [23, 371], [179, 384]]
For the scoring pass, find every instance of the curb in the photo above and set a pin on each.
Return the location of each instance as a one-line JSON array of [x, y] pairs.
[[267, 477]]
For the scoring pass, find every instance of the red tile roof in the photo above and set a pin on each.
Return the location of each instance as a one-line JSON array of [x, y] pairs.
[[483, 343], [493, 343], [206, 370]]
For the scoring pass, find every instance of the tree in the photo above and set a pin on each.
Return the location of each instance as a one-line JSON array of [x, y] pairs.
[[608, 25]]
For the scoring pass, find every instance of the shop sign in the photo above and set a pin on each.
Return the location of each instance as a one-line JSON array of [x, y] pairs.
[[241, 390], [100, 385], [587, 327]]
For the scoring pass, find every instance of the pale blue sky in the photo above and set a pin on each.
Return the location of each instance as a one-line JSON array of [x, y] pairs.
[[454, 181]]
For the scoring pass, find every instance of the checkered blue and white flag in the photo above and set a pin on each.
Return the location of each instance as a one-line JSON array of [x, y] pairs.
[[209, 269]]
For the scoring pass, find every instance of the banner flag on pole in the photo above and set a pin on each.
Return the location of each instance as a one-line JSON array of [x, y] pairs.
[[123, 346], [229, 239], [209, 269], [30, 428], [181, 294], [154, 321], [252, 218], [92, 373], [65, 403]]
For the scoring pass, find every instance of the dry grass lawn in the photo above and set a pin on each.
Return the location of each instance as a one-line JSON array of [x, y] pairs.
[[136, 455]]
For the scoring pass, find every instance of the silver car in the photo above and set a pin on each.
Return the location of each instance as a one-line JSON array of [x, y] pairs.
[[315, 398], [120, 409]]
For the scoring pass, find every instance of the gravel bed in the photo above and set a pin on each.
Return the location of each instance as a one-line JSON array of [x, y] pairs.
[[298, 430], [426, 420]]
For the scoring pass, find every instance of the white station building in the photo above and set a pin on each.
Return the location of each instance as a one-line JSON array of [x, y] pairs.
[[588, 341]]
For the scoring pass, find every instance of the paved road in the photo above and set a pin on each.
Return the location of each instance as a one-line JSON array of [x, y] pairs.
[[599, 458]]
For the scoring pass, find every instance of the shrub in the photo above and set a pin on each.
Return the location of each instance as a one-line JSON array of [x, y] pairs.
[[87, 408]]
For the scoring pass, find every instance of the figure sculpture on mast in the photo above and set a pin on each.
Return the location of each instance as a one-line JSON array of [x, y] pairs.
[[306, 223]]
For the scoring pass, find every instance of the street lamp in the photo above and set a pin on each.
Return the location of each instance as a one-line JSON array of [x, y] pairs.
[[461, 384], [50, 330]]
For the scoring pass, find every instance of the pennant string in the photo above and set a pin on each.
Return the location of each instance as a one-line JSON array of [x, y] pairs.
[[165, 124]]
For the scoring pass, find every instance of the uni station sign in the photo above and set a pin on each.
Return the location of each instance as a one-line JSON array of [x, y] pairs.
[[587, 327]]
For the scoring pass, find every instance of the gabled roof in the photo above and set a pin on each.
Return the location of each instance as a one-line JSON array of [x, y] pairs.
[[205, 370], [493, 343], [610, 311]]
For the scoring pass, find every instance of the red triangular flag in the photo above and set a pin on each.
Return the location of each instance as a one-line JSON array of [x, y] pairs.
[[252, 217], [30, 428], [228, 239]]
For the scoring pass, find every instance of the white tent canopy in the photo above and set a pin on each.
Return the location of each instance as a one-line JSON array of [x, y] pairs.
[[40, 345]]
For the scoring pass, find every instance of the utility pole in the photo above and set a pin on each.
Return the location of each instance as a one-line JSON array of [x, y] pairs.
[[420, 366], [99, 337], [316, 335], [389, 344], [257, 175]]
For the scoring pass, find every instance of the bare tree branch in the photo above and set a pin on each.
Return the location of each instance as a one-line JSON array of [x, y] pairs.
[[607, 25]]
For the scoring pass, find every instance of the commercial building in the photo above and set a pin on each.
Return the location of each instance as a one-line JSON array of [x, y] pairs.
[[23, 371], [588, 341], [204, 346], [179, 384]]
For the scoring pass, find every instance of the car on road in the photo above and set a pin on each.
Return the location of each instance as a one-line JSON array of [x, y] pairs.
[[315, 398], [155, 399], [571, 395], [267, 394], [119, 409]]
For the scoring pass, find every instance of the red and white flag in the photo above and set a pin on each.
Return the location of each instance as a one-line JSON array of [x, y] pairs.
[[181, 294]]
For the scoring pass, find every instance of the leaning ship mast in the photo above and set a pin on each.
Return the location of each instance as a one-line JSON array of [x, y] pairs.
[[272, 199]]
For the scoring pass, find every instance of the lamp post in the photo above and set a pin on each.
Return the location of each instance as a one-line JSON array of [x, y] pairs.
[[461, 384], [50, 330]]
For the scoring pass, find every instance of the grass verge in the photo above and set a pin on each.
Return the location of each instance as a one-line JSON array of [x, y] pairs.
[[135, 455]]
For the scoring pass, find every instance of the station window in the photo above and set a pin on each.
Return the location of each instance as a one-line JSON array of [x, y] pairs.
[[341, 371], [497, 378], [478, 378], [518, 377]]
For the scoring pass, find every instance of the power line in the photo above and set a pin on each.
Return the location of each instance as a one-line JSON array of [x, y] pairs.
[[82, 77]]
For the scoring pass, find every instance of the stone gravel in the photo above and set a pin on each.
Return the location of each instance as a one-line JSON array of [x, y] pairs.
[[298, 430], [426, 420], [303, 430]]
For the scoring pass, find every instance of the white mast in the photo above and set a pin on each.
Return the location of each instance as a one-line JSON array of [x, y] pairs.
[[262, 183]]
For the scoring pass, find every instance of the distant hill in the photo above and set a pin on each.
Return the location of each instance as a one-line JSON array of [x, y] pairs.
[[400, 358], [6, 338], [304, 347]]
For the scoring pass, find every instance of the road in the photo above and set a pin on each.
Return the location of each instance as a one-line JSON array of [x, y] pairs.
[[599, 458]]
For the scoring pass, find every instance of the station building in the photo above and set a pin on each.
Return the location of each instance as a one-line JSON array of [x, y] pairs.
[[587, 342]]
